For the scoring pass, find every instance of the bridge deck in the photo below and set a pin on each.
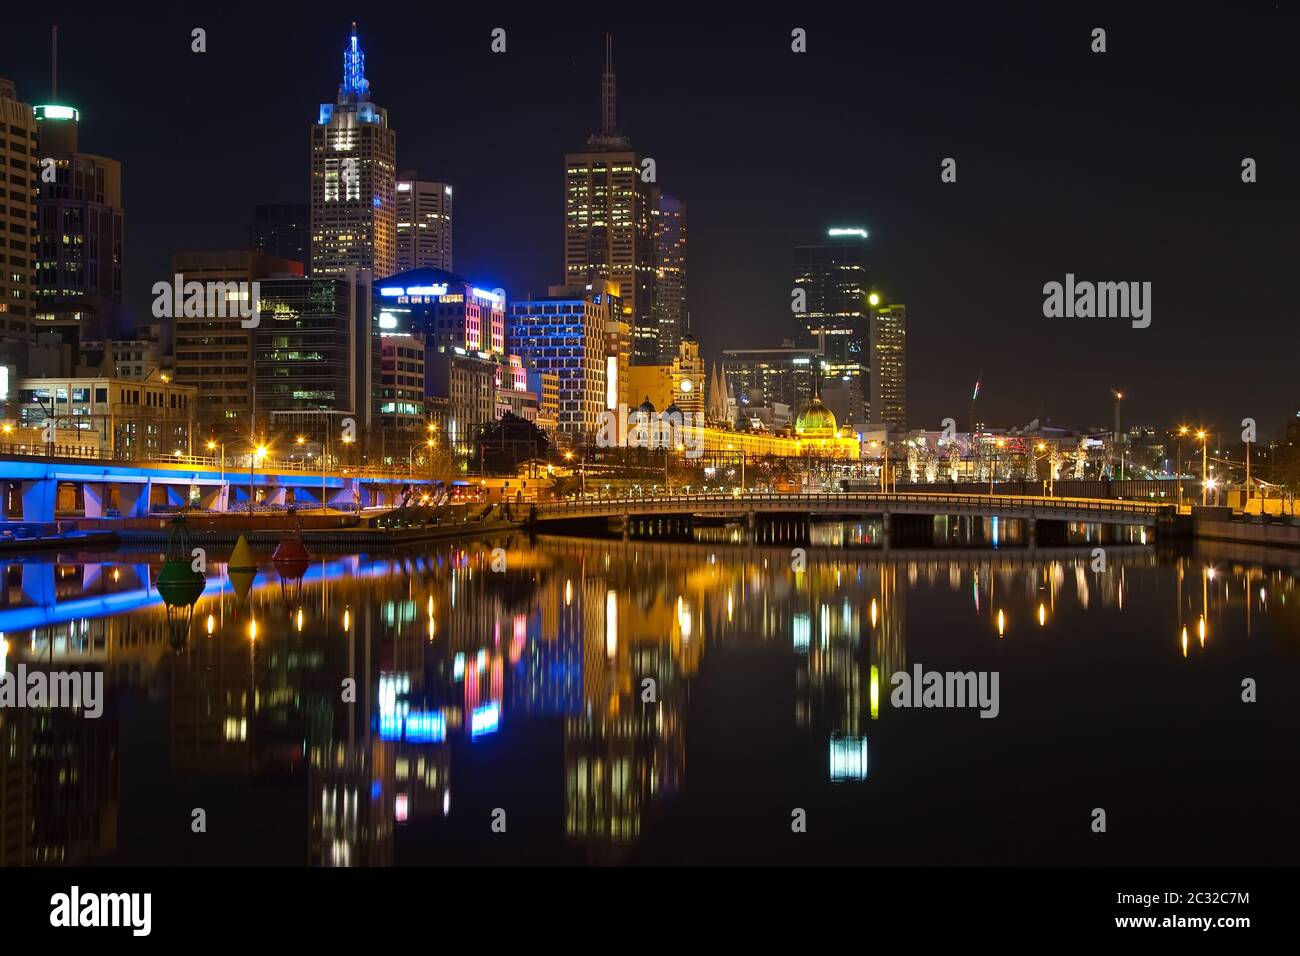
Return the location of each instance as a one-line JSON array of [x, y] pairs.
[[1007, 506]]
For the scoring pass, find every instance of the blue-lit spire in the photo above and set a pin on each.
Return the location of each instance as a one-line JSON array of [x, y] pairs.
[[354, 69]]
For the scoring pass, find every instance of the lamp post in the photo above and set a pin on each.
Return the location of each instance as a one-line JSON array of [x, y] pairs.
[[1182, 431], [1051, 472], [256, 453], [1204, 438], [1119, 441]]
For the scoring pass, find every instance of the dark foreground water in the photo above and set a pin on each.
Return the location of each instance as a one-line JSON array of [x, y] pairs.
[[662, 702]]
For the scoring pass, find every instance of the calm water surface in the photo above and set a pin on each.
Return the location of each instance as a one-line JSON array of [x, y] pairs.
[[524, 691]]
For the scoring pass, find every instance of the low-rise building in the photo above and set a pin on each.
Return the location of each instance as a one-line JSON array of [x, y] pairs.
[[105, 416]]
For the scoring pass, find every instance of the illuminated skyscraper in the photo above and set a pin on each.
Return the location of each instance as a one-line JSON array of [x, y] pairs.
[[670, 273], [889, 364], [609, 222], [18, 154], [566, 333], [79, 252], [834, 279], [353, 178], [423, 224]]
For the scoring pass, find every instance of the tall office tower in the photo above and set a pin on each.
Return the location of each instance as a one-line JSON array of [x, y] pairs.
[[19, 179], [215, 353], [609, 221], [353, 179], [423, 224], [80, 227], [782, 382], [565, 333], [889, 364], [281, 230], [833, 276], [670, 273], [317, 356]]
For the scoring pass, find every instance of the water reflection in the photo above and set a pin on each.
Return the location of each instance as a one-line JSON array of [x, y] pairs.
[[390, 690]]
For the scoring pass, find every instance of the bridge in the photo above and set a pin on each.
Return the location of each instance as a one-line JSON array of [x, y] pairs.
[[54, 486], [747, 505]]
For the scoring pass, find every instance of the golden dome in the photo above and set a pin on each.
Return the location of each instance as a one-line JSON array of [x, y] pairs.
[[816, 421]]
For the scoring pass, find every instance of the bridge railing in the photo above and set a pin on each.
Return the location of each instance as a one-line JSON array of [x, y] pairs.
[[233, 466], [1008, 502]]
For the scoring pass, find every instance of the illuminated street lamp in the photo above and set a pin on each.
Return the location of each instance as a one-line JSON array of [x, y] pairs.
[[1204, 438], [1182, 432]]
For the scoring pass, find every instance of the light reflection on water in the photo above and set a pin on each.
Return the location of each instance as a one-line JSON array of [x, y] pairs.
[[657, 700]]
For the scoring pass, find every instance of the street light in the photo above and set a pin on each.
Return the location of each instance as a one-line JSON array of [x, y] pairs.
[[1182, 432], [257, 454], [1119, 442], [1204, 437], [1051, 472]]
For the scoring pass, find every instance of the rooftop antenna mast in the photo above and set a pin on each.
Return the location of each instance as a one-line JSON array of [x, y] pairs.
[[608, 95]]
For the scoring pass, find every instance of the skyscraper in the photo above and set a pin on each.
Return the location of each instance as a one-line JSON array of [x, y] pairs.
[[317, 354], [423, 224], [889, 364], [565, 333], [834, 279], [281, 230], [20, 177], [353, 178], [80, 226], [609, 221], [670, 273]]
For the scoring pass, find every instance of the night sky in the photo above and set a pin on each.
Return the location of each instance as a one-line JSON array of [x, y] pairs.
[[1123, 166]]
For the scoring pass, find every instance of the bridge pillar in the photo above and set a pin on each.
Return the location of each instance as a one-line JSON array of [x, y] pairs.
[[93, 494], [274, 495], [38, 583], [135, 499], [178, 496], [1031, 532], [38, 499], [884, 530]]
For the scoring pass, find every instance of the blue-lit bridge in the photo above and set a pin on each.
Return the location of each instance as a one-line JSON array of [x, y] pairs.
[[135, 489]]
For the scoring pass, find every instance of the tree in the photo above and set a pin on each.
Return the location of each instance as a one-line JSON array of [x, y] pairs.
[[507, 442]]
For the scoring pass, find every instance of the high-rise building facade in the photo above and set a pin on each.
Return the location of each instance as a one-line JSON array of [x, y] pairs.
[[317, 354], [835, 282], [448, 311], [889, 364], [281, 230], [353, 178], [19, 180], [423, 224], [80, 229], [670, 273], [401, 397], [763, 377], [215, 352], [609, 222], [564, 333]]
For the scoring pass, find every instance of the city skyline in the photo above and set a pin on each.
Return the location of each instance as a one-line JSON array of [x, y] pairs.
[[944, 249]]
